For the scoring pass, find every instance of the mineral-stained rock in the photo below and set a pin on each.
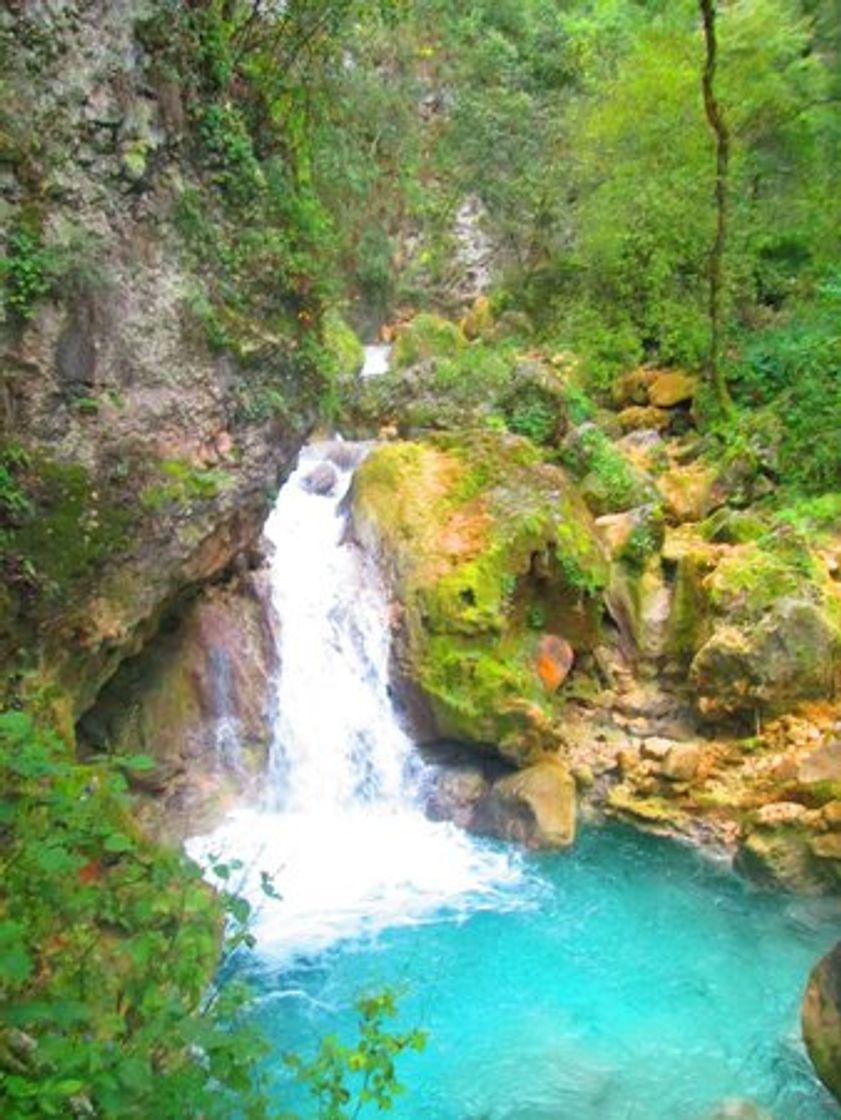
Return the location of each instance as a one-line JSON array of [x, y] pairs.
[[535, 807], [656, 748], [822, 1020], [681, 763], [821, 765], [644, 417], [688, 492], [632, 388], [780, 857], [198, 701], [152, 454], [553, 661]]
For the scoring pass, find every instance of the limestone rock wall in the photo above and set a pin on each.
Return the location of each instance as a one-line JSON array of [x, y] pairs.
[[137, 465]]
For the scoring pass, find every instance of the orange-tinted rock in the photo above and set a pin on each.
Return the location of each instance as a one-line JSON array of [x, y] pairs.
[[632, 388], [644, 418], [553, 661], [687, 492], [670, 388]]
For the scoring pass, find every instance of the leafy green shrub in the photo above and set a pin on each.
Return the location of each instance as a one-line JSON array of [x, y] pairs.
[[793, 373], [342, 345], [343, 1079], [185, 484], [475, 375], [427, 336], [14, 501], [27, 272], [107, 946], [608, 480], [532, 415], [228, 148]]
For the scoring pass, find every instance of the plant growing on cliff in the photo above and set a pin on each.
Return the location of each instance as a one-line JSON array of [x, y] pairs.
[[26, 270]]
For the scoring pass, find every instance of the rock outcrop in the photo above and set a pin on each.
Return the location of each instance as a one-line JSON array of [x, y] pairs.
[[535, 807], [496, 565], [198, 701], [144, 422], [822, 1020]]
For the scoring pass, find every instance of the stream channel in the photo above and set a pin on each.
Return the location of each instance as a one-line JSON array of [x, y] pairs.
[[627, 979]]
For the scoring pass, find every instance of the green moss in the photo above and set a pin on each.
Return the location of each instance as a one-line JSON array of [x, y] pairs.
[[750, 579], [58, 527], [184, 483], [645, 539], [26, 270], [427, 336], [609, 482], [343, 345], [484, 540], [689, 616]]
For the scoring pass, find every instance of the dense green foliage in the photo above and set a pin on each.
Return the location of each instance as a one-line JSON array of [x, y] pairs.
[[327, 148], [107, 947], [581, 129]]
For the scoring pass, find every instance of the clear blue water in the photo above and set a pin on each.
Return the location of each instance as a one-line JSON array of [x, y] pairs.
[[633, 980]]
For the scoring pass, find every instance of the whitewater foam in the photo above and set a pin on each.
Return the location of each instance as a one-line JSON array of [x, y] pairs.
[[340, 827]]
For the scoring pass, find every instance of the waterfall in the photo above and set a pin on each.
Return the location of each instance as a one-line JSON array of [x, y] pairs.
[[336, 742], [339, 822], [377, 361]]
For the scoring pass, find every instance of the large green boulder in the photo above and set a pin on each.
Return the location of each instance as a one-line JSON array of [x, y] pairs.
[[427, 336], [490, 550], [789, 656]]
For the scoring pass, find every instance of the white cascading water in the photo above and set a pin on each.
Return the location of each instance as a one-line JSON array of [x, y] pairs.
[[339, 826], [377, 359]]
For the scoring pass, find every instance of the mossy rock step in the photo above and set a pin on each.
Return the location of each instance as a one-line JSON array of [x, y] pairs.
[[490, 549]]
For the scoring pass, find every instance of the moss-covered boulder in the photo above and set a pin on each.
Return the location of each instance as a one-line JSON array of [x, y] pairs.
[[453, 385], [789, 656], [490, 549], [822, 1020], [343, 345], [427, 336]]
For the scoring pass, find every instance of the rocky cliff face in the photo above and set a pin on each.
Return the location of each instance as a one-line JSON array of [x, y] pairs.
[[199, 701], [144, 423]]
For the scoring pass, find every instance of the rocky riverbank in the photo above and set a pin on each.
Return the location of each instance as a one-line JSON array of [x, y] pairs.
[[606, 597]]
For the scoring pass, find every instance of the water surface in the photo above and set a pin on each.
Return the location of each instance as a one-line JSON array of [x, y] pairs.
[[627, 980]]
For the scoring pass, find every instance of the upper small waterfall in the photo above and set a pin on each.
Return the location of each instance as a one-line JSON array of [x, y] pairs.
[[339, 822]]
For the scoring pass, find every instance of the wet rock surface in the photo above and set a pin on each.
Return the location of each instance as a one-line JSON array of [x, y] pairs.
[[198, 701], [822, 1020]]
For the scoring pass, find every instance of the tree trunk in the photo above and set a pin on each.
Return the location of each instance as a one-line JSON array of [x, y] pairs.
[[722, 149]]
